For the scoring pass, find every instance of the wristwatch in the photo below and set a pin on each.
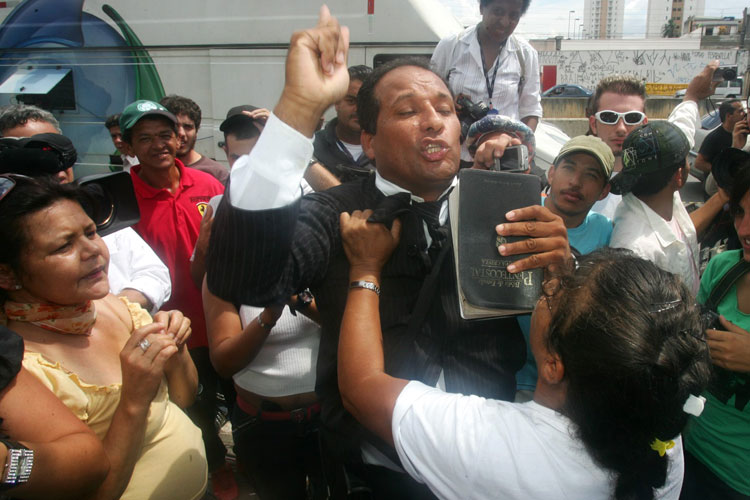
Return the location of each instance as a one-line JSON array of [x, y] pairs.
[[304, 299], [18, 465]]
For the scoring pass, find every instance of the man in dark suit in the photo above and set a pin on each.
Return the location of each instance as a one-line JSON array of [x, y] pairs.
[[268, 243]]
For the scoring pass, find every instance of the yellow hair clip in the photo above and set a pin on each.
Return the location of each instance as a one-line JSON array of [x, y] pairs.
[[662, 446]]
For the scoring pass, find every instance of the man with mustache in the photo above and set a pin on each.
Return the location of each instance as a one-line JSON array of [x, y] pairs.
[[268, 243], [578, 178]]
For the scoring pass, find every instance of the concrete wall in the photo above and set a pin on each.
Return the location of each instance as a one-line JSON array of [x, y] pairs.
[[569, 114], [575, 107], [587, 67]]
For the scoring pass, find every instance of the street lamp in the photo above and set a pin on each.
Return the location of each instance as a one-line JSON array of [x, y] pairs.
[[569, 14]]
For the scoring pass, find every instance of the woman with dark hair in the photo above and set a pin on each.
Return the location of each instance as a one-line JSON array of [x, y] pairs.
[[118, 371], [718, 444], [619, 349]]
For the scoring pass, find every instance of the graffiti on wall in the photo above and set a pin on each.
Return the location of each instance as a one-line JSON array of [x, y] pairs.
[[587, 67]]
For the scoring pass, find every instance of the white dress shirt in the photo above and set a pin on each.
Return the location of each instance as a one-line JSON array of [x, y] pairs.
[[133, 264], [458, 59], [640, 229]]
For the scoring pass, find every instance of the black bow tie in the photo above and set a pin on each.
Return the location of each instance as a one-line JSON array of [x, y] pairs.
[[398, 204]]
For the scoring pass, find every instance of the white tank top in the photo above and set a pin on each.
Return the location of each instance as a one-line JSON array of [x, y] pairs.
[[286, 363]]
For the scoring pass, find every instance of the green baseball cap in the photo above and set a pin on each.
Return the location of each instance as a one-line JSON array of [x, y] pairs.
[[138, 109], [650, 148], [592, 146]]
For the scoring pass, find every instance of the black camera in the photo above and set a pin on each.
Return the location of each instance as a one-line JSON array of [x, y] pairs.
[[469, 113], [35, 155], [110, 198], [709, 319], [726, 166], [725, 73]]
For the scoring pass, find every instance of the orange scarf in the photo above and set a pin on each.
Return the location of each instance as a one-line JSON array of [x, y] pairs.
[[73, 320]]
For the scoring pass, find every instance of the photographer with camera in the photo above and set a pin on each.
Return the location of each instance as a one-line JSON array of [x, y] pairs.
[[507, 80], [731, 112], [716, 458]]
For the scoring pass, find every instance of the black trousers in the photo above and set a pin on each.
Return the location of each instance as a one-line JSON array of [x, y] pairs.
[[280, 459], [203, 411]]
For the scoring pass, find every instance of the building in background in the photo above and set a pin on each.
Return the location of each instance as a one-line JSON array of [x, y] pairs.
[[603, 19], [661, 11]]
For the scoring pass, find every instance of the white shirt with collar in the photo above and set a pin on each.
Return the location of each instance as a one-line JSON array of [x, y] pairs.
[[640, 229], [133, 264], [458, 59]]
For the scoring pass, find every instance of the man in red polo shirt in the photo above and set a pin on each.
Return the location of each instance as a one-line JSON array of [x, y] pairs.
[[172, 199]]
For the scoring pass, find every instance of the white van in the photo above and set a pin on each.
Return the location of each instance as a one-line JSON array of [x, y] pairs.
[[727, 89]]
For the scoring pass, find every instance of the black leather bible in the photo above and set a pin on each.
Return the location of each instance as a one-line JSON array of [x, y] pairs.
[[478, 204]]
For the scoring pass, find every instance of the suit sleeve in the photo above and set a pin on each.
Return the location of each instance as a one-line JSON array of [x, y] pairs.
[[261, 257]]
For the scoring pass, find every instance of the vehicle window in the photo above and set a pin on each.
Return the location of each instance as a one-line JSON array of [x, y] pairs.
[[711, 120]]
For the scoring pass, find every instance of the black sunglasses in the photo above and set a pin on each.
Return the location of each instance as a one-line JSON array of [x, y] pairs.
[[8, 182]]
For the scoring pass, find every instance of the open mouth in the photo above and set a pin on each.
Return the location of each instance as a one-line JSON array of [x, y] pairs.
[[435, 151]]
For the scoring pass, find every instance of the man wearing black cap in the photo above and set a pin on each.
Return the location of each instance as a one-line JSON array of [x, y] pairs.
[[241, 128], [651, 219]]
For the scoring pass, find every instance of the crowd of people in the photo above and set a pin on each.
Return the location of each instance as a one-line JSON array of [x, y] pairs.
[[308, 294]]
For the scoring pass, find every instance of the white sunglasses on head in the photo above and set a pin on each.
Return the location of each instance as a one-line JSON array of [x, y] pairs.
[[609, 117]]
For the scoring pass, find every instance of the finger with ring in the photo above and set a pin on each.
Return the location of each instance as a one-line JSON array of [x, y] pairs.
[[144, 344]]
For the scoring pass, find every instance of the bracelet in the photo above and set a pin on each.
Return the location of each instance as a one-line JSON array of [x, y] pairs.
[[265, 326], [18, 465], [365, 284]]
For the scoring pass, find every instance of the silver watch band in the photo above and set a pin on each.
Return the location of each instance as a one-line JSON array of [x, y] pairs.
[[365, 284], [18, 466]]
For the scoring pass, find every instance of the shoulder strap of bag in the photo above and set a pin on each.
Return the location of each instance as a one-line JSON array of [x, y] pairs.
[[721, 288], [521, 62]]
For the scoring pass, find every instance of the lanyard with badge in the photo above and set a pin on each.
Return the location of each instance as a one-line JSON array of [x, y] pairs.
[[490, 82]]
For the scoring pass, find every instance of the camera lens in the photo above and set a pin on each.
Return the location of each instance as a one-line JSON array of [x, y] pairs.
[[729, 74]]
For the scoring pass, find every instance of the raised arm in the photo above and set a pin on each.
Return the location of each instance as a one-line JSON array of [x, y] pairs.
[[367, 391], [264, 191]]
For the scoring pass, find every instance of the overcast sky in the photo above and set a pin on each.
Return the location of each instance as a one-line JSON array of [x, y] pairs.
[[548, 18]]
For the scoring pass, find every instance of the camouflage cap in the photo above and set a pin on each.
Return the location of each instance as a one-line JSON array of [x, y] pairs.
[[650, 148]]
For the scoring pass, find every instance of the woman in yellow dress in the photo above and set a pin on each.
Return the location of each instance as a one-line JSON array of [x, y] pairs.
[[121, 373]]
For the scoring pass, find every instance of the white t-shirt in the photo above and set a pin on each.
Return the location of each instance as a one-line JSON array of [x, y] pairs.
[[473, 448], [354, 149]]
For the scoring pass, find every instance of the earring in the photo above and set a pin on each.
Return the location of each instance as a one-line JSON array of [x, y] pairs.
[[17, 287]]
